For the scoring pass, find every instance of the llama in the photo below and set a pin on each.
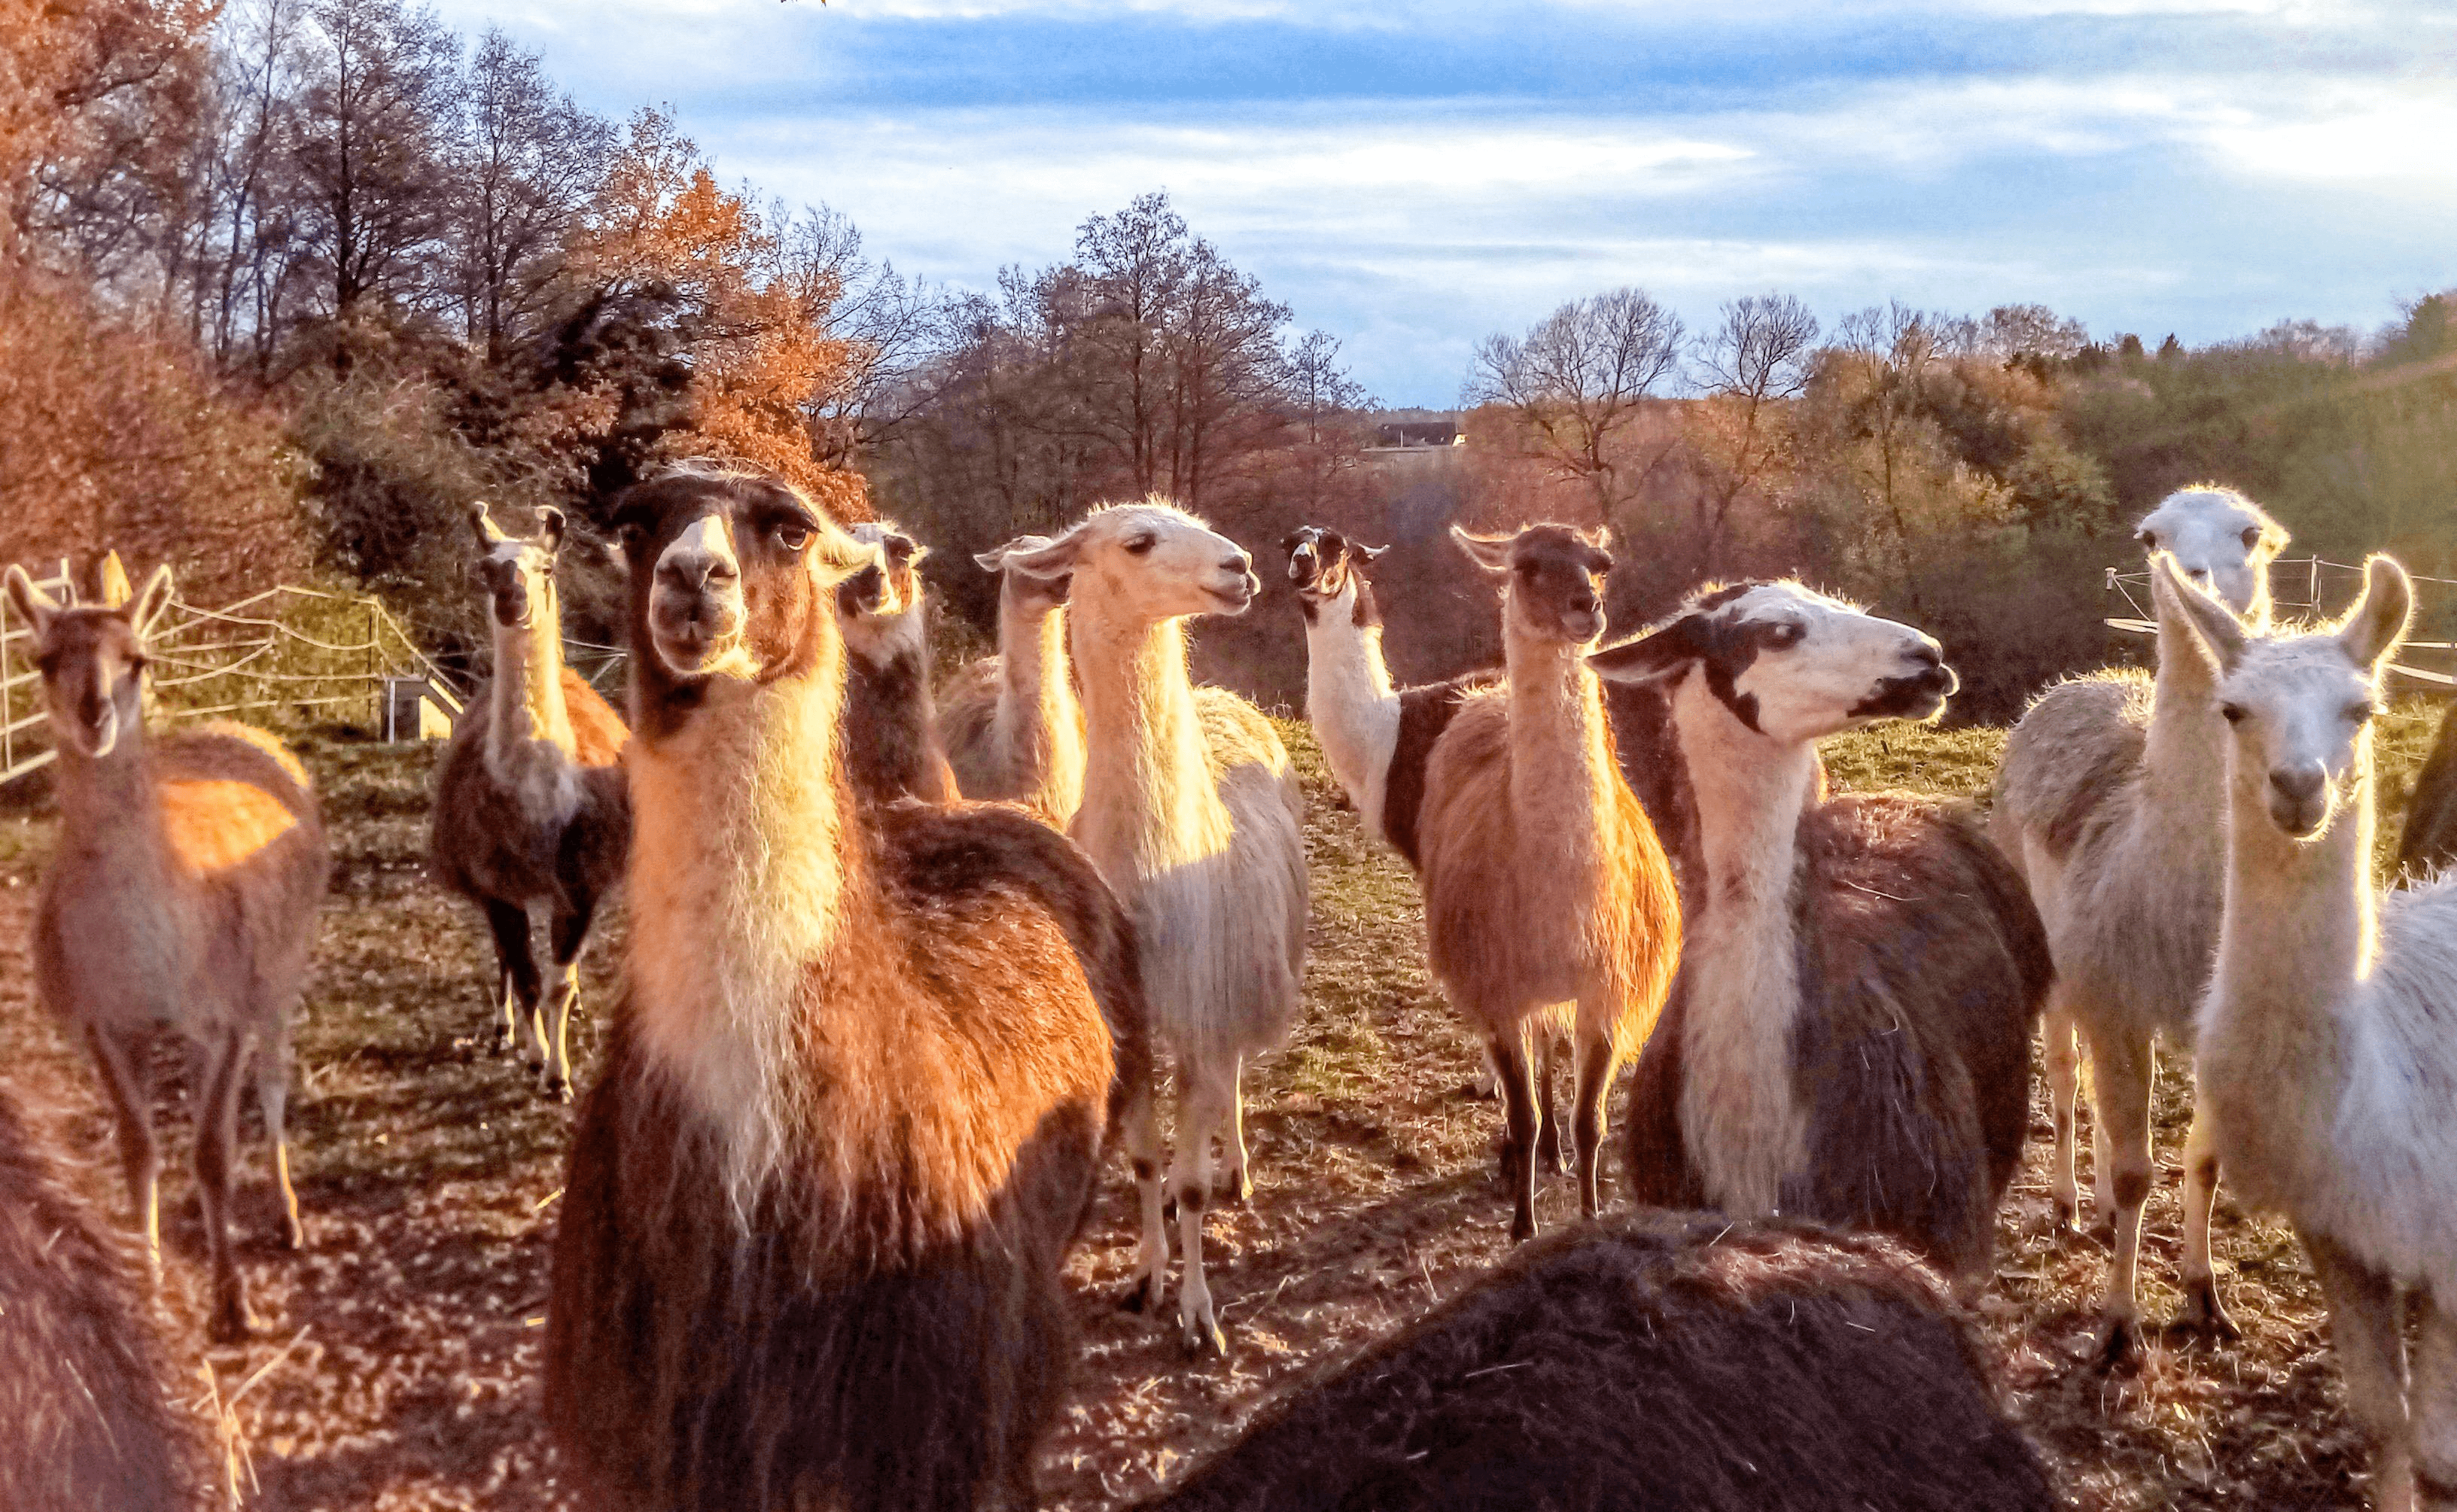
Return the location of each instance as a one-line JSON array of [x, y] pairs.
[[2428, 844], [184, 892], [84, 1386], [1849, 1039], [891, 729], [529, 802], [2325, 1061], [1653, 1362], [853, 1098], [2104, 800], [1549, 904], [1013, 724], [1193, 816]]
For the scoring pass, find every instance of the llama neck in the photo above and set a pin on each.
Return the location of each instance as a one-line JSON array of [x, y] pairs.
[[1560, 750], [1349, 699], [1149, 801], [1039, 721], [1740, 969], [527, 710], [2185, 757], [744, 871], [110, 805]]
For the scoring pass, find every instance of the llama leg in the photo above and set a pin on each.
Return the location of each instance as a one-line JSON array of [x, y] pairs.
[[221, 1066], [570, 932], [2366, 1327], [2201, 1307], [1235, 1187], [1598, 1057], [521, 986], [2064, 1089], [273, 1097], [1207, 1093], [1140, 1119], [2121, 1071], [1514, 1067], [1548, 1123], [122, 1060], [2432, 1408]]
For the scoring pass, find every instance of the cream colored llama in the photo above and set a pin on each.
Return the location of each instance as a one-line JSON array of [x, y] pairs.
[[891, 731], [2103, 801], [1548, 899], [2326, 1046], [1013, 724], [1193, 816], [183, 892]]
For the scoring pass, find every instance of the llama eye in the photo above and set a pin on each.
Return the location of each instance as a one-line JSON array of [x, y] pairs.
[[2363, 712], [1782, 635], [631, 533], [2149, 540], [2232, 713], [2251, 537], [791, 535], [1142, 544]]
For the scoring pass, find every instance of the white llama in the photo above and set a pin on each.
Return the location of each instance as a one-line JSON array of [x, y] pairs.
[[1014, 728]]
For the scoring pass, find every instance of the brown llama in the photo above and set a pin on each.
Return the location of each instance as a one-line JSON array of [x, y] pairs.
[[1014, 724], [84, 1387], [183, 892], [2428, 846], [1549, 904], [1850, 1035], [1652, 1362], [530, 806], [856, 1093], [891, 731]]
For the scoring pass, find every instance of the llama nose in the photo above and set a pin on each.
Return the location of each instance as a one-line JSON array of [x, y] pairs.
[[2299, 785], [1582, 604], [1238, 562], [697, 570]]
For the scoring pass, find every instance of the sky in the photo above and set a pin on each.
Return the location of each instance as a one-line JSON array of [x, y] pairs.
[[1411, 178]]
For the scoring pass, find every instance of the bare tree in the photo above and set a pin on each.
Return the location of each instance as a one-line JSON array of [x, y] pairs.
[[370, 148], [1134, 263], [529, 161], [892, 326], [1577, 380], [1320, 388], [1753, 358]]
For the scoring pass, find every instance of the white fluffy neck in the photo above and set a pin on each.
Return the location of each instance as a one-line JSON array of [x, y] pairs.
[[1561, 756], [1740, 967], [1349, 701], [1149, 801], [527, 699], [1038, 720]]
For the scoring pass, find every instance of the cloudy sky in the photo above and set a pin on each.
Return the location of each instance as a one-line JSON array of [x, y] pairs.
[[1412, 176]]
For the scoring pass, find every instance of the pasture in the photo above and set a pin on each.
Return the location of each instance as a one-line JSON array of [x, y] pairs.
[[399, 1363]]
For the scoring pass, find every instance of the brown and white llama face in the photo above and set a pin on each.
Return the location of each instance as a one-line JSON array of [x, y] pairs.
[[2298, 704], [517, 575], [889, 586], [1324, 564], [1789, 662], [1553, 576], [2222, 539], [92, 661], [1152, 561], [1021, 591], [732, 577]]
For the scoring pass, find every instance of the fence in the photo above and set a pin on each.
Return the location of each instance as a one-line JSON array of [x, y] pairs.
[[2316, 585], [289, 653]]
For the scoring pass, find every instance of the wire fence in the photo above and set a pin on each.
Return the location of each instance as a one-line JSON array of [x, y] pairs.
[[2317, 586]]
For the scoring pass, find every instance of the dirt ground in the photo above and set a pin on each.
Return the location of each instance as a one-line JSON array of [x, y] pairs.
[[398, 1361]]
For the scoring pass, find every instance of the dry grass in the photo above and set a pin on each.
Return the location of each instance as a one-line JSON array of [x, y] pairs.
[[399, 1363]]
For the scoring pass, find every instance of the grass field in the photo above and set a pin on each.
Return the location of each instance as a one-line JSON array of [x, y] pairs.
[[398, 1363]]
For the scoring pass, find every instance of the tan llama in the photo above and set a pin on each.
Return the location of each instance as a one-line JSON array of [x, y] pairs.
[[1014, 724], [183, 892]]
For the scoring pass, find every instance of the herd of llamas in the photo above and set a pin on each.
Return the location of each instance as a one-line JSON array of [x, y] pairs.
[[903, 966]]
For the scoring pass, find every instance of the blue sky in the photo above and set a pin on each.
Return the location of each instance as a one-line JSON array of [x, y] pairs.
[[1411, 177]]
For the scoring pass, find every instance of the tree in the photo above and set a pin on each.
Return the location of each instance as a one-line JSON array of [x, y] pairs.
[[528, 162], [370, 148], [1752, 360], [1576, 383]]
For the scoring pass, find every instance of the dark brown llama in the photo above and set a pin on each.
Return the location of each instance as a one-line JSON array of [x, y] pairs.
[[530, 806], [891, 729], [1652, 1362], [85, 1390], [183, 892], [854, 1097], [2428, 844]]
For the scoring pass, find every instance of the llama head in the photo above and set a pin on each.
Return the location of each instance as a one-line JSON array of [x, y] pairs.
[[2221, 539], [92, 659], [879, 605], [1325, 565], [1021, 591], [732, 577], [1789, 662], [517, 575], [1151, 561], [1551, 576], [2299, 702]]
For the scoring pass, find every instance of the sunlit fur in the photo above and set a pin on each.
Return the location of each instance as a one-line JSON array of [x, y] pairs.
[[2327, 1041], [2104, 802], [853, 1098], [1194, 814], [891, 734], [531, 806], [1850, 1037], [1014, 725], [1549, 904], [176, 895]]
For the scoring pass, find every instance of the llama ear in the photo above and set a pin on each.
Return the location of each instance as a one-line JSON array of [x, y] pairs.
[[32, 605], [484, 524], [1488, 552], [2377, 621], [902, 550], [995, 560], [2214, 628], [1600, 538], [150, 600], [1373, 553], [549, 529], [1049, 561], [1652, 657]]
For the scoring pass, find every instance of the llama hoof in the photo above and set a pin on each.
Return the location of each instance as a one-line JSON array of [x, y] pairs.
[[294, 1235], [1522, 1228], [2203, 1314], [2102, 1234], [1201, 1336], [501, 1043], [1234, 1189], [1138, 1297], [555, 1089], [1480, 1092], [232, 1322], [2067, 1223], [2119, 1345]]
